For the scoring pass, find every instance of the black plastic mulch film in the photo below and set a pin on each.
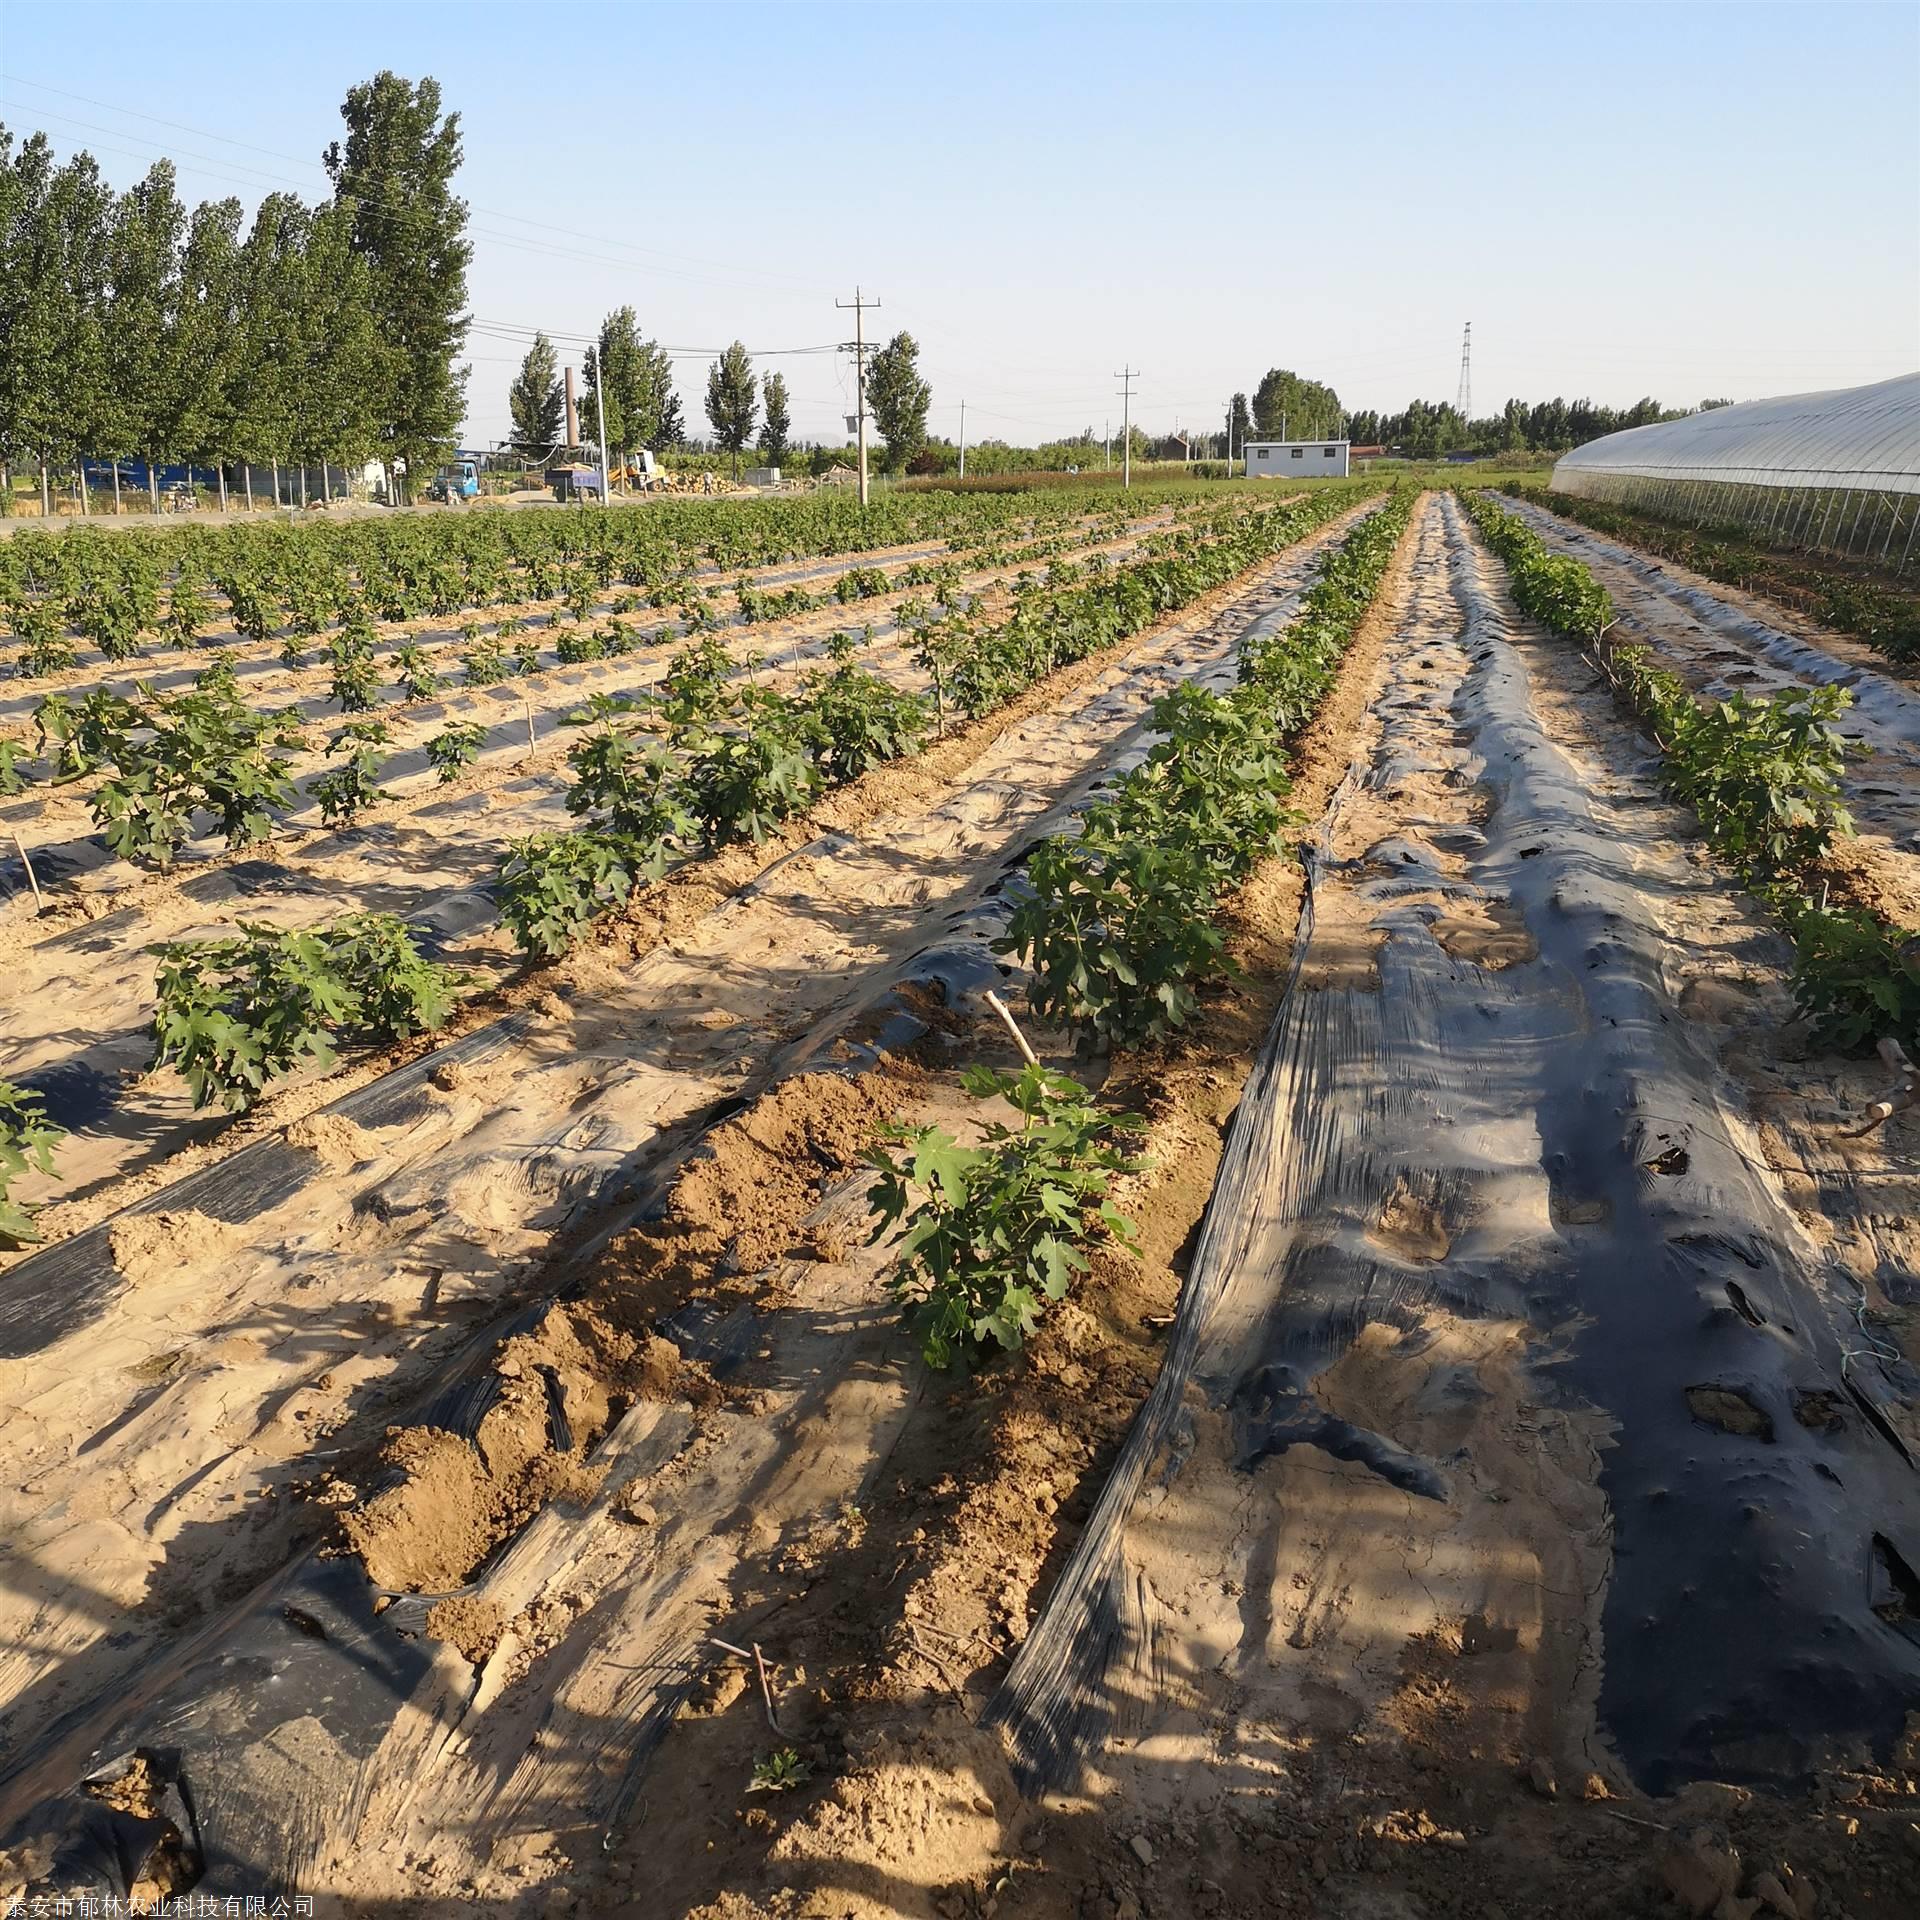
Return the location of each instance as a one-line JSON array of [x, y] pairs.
[[1761, 1613]]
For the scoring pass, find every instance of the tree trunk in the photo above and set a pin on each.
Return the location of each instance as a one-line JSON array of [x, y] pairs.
[[303, 483], [153, 483], [80, 473], [223, 488], [116, 486], [326, 485], [276, 484], [246, 480], [46, 499]]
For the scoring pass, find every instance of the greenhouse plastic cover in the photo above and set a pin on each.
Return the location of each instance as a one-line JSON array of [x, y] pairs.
[[1852, 437]]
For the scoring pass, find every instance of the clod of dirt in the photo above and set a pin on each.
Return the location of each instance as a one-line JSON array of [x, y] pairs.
[[149, 1247], [888, 1835], [469, 1623], [1699, 1874], [1572, 1210], [164, 1866], [427, 1533], [1673, 1161], [450, 1076], [742, 1202], [739, 1205], [1540, 1778], [1730, 1410], [1493, 936], [132, 1789], [1411, 1226], [334, 1137], [1774, 1896], [1819, 1410]]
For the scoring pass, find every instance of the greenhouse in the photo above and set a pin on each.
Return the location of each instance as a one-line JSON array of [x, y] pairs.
[[1836, 471]]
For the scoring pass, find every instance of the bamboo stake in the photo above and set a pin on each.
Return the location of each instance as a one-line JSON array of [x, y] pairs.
[[39, 899], [1019, 1039]]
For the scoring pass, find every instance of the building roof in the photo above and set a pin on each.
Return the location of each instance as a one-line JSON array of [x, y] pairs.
[[1866, 437]]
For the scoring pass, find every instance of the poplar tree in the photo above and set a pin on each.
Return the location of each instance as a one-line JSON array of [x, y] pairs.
[[732, 401], [639, 383], [272, 288], [1239, 425], [346, 365], [143, 265], [1304, 409], [899, 399], [197, 401], [392, 176], [535, 399], [778, 423]]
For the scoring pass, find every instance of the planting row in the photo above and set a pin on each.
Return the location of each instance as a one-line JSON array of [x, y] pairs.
[[1887, 618], [740, 769], [112, 590], [703, 762], [1117, 923], [1763, 775], [168, 764]]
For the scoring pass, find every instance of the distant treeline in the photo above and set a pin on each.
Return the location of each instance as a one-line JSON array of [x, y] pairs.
[[1287, 406]]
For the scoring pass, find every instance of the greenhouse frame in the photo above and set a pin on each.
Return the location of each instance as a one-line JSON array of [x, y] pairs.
[[1834, 472]]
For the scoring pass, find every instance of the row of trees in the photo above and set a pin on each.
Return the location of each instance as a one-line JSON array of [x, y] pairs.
[[629, 382], [1288, 406], [134, 328], [744, 410]]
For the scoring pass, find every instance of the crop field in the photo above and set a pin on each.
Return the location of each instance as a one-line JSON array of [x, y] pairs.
[[1028, 1203]]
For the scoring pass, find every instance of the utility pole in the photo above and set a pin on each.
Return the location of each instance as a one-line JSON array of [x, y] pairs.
[[1126, 376], [860, 304], [573, 415], [1229, 439], [1463, 401], [963, 439]]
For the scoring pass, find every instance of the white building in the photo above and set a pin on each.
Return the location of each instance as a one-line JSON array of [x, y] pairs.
[[1296, 459]]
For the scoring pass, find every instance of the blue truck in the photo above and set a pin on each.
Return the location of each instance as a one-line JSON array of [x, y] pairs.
[[458, 480]]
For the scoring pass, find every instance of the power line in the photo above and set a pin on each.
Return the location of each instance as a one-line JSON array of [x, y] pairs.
[[273, 153]]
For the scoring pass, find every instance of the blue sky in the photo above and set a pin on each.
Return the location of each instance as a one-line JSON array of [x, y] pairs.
[[1672, 199]]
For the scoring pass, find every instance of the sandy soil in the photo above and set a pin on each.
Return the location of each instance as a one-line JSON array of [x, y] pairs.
[[1416, 1736], [1361, 1673], [77, 1002], [207, 1401]]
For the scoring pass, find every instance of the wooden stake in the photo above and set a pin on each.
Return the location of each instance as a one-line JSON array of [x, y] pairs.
[[760, 1668], [1019, 1039], [39, 899]]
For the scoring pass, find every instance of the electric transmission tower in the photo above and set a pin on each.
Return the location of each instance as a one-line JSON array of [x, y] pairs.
[[1463, 401]]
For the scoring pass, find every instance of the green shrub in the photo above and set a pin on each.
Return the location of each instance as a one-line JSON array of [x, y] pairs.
[[996, 1232], [552, 885], [27, 1140], [232, 1014], [747, 775], [346, 791], [1857, 978], [455, 747]]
